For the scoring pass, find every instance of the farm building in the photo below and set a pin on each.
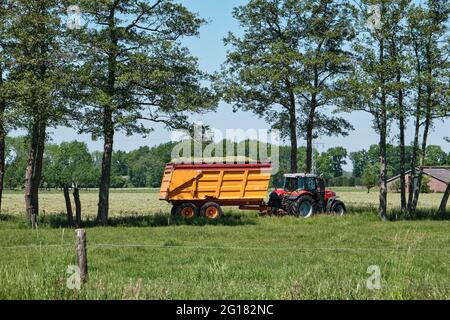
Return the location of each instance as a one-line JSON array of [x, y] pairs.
[[439, 177]]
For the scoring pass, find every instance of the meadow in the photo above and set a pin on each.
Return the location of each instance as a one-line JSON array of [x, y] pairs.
[[145, 254]]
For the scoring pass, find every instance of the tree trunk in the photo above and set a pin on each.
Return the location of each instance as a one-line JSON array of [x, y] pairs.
[[428, 111], [422, 161], [382, 126], [310, 128], [293, 129], [309, 149], [33, 173], [68, 205], [402, 146], [415, 149], [108, 125], [2, 147], [29, 172], [443, 206], [382, 210], [76, 197], [103, 205]]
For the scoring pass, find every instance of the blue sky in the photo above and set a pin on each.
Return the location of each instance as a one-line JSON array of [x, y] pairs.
[[209, 49]]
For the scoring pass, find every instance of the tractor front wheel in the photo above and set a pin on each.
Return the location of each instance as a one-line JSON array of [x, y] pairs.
[[338, 208], [304, 207], [211, 210]]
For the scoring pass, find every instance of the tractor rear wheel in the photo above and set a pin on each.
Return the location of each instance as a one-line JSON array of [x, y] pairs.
[[187, 210], [211, 210], [304, 207]]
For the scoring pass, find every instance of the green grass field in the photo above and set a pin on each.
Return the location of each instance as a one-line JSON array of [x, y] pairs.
[[144, 254]]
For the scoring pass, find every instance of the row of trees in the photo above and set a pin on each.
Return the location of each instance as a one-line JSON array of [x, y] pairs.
[[125, 65], [297, 60], [70, 164]]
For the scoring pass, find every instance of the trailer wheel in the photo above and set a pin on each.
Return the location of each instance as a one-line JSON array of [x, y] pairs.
[[187, 210], [174, 210], [211, 210]]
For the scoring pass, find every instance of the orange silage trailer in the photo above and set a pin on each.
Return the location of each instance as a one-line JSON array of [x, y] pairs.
[[203, 189]]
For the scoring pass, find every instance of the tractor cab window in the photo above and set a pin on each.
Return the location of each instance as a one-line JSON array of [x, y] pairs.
[[290, 184], [300, 183], [310, 184]]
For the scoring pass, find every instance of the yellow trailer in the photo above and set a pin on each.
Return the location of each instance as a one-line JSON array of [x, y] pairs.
[[202, 189]]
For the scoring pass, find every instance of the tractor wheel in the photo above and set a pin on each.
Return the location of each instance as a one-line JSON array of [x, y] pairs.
[[338, 209], [211, 210], [304, 207], [187, 210]]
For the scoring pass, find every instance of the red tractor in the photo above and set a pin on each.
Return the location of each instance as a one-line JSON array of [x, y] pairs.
[[304, 195]]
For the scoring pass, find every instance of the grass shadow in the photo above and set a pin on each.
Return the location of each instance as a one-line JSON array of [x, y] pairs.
[[154, 220], [396, 214]]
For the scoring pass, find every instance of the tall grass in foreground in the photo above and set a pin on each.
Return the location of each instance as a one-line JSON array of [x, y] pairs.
[[242, 256]]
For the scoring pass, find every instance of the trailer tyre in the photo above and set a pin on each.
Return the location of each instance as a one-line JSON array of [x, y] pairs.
[[211, 210], [174, 211], [187, 210]]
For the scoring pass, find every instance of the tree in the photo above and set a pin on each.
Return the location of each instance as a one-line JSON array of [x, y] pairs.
[[396, 39], [69, 165], [337, 156], [5, 119], [38, 75], [284, 67], [16, 160], [435, 156], [359, 160], [2, 100], [444, 201], [135, 69], [330, 162], [366, 89], [428, 31], [370, 177]]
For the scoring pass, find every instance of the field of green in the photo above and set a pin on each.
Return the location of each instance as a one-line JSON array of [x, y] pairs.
[[145, 254]]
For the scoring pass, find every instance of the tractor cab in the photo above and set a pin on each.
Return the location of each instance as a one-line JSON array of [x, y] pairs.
[[309, 182]]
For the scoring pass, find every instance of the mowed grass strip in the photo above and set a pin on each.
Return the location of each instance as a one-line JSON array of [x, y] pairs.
[[126, 202], [242, 257]]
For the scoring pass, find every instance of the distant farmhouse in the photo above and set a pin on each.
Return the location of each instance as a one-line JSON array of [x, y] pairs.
[[439, 177]]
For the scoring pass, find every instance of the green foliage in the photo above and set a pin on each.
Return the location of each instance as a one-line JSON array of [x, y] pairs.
[[40, 65], [70, 164], [370, 177], [331, 161], [16, 157], [435, 156], [425, 188], [134, 68], [359, 160], [284, 66], [395, 186]]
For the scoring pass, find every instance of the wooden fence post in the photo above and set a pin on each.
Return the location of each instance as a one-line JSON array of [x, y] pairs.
[[81, 253]]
